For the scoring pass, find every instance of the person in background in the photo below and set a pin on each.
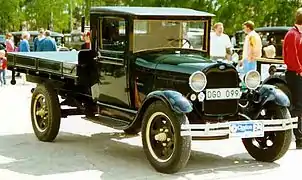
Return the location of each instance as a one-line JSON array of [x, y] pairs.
[[39, 40], [220, 43], [270, 50], [86, 38], [292, 54], [3, 67], [48, 44], [252, 48], [24, 45], [9, 43]]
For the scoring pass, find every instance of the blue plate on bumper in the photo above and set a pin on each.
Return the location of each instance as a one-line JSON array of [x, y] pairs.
[[246, 129]]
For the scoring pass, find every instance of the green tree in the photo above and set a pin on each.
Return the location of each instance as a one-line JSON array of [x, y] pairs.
[[62, 14], [11, 15]]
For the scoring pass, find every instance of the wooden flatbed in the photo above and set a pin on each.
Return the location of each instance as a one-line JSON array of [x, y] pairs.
[[63, 64]]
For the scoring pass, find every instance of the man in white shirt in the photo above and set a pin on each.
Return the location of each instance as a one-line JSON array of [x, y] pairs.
[[220, 43]]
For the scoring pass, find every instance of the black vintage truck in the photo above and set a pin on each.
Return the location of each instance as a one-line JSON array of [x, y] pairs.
[[142, 74]]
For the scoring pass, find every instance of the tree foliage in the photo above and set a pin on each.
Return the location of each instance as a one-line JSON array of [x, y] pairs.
[[62, 15]]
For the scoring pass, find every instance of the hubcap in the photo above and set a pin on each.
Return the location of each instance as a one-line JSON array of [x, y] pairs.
[[268, 140], [160, 137], [40, 112]]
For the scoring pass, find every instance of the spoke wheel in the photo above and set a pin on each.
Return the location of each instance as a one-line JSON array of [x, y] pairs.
[[165, 149], [274, 144], [45, 113], [41, 113], [160, 137]]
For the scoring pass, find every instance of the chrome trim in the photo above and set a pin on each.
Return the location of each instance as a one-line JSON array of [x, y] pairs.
[[223, 129]]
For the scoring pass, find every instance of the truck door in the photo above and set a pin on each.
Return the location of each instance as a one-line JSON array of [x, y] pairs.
[[112, 87]]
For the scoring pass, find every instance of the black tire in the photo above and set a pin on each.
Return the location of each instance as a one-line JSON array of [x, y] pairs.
[[48, 128], [181, 144], [281, 140]]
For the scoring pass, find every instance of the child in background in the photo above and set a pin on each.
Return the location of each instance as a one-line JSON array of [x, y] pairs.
[[3, 67]]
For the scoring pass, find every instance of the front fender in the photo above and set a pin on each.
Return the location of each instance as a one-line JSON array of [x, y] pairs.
[[270, 93], [175, 100]]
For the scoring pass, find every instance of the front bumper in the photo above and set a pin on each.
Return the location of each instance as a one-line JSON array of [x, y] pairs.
[[240, 129]]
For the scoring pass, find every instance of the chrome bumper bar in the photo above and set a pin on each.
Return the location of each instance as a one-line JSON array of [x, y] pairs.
[[229, 128]]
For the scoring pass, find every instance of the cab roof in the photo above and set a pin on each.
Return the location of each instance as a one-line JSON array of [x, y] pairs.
[[149, 11]]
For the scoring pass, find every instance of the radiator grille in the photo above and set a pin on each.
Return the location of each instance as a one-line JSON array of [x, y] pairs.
[[227, 78]]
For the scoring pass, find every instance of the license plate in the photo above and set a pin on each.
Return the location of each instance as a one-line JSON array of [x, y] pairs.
[[223, 93], [246, 129]]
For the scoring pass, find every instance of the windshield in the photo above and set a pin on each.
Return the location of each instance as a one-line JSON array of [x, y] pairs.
[[155, 34]]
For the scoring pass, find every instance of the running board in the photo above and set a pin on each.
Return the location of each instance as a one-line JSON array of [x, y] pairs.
[[109, 122]]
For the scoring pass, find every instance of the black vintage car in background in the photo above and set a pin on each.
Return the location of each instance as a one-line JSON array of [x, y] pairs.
[[142, 74], [276, 33], [267, 66], [74, 40]]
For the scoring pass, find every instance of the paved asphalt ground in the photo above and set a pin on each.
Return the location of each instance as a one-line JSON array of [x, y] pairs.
[[84, 150]]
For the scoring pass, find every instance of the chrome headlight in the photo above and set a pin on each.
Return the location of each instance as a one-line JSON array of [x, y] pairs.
[[198, 81], [252, 79]]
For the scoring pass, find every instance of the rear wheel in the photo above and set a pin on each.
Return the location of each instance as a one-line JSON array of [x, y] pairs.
[[273, 145], [45, 113], [165, 148]]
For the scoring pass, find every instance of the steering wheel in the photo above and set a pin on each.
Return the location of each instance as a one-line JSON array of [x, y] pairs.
[[181, 39]]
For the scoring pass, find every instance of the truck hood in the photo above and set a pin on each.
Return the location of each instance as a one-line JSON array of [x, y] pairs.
[[183, 63]]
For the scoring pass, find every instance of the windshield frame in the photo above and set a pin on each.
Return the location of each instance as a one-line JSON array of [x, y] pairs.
[[205, 39]]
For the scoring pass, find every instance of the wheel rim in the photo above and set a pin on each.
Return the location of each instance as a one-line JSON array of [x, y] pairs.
[[268, 140], [160, 137], [40, 111]]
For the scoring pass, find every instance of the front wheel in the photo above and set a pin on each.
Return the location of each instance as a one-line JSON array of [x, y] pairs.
[[273, 145], [45, 113], [165, 148]]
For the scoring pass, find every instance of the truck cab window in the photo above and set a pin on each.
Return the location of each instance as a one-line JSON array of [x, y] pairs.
[[112, 36]]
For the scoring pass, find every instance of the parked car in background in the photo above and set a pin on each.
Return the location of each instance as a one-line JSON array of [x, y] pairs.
[[57, 36], [74, 40], [2, 42], [271, 36], [275, 33]]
